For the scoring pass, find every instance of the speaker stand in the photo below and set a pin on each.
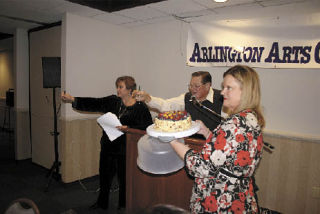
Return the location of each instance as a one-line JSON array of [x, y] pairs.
[[55, 169]]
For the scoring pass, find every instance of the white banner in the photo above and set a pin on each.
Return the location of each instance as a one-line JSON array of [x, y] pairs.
[[267, 43]]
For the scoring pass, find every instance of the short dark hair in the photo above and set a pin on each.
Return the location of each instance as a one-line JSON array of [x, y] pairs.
[[128, 81], [205, 76]]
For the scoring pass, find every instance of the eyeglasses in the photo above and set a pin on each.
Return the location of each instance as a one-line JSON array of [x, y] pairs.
[[194, 86]]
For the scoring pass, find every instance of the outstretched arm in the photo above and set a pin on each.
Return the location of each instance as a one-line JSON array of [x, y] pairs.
[[90, 104], [172, 104]]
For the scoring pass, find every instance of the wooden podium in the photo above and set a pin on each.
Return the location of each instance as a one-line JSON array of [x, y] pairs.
[[144, 190]]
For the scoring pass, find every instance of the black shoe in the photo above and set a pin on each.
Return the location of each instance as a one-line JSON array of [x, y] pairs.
[[97, 206]]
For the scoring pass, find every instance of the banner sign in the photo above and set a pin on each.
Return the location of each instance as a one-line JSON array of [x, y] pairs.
[[265, 47]]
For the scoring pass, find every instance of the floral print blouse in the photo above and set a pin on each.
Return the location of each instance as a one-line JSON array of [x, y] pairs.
[[222, 170]]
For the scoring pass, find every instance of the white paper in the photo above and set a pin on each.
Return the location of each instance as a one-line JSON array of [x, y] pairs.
[[108, 122]]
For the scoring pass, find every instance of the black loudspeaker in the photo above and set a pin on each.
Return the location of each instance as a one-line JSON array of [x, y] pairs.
[[51, 67], [10, 98]]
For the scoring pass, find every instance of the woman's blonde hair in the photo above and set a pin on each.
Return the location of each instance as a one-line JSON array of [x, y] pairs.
[[251, 92]]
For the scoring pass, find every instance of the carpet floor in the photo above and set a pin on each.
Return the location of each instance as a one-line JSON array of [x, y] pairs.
[[25, 179]]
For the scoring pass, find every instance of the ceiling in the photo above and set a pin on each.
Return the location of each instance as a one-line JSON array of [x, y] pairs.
[[28, 14]]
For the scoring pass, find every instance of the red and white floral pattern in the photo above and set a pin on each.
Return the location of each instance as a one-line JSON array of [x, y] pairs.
[[236, 147]]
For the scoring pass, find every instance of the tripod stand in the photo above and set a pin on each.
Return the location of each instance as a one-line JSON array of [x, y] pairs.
[[54, 171]]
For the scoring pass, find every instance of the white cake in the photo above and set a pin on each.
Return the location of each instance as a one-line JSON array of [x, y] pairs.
[[172, 121]]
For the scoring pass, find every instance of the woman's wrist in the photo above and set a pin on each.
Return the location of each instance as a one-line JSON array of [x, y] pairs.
[[207, 135]]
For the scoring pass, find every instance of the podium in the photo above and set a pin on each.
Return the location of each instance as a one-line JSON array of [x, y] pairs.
[[145, 190]]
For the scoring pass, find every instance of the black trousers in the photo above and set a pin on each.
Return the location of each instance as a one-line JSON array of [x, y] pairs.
[[111, 164]]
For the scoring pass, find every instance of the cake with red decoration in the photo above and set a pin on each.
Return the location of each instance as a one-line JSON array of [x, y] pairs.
[[172, 121]]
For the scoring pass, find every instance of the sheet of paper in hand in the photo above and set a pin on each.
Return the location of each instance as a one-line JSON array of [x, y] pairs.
[[108, 122]]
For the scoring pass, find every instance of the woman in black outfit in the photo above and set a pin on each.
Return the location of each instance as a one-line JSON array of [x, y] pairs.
[[113, 154]]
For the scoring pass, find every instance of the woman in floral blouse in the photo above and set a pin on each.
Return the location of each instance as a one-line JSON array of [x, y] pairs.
[[224, 168]]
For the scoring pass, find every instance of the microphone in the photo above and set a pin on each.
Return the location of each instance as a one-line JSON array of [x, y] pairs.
[[200, 105], [196, 103]]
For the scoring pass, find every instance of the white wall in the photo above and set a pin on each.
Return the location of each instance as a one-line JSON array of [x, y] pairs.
[[93, 54], [158, 58], [22, 66], [290, 96], [43, 43], [291, 101], [21, 97], [97, 53]]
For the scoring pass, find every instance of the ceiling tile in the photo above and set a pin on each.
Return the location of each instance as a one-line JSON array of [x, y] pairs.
[[114, 5], [140, 13], [160, 19], [40, 16], [195, 14], [76, 9], [212, 4], [237, 9], [9, 25], [37, 4], [268, 3], [113, 18], [27, 13], [177, 6]]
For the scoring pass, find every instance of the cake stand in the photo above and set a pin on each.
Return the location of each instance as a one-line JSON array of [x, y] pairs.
[[169, 136]]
